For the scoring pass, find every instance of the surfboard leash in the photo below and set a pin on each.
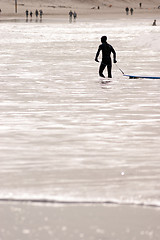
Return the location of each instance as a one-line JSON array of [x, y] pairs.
[[119, 69]]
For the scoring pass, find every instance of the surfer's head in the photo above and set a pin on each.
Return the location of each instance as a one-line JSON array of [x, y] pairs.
[[103, 39]]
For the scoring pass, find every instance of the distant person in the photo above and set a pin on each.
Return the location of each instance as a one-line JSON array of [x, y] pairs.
[[27, 14], [36, 13], [98, 7], [127, 10], [0, 10], [74, 15], [31, 14], [70, 15], [106, 49], [131, 11], [40, 13], [140, 5], [154, 23]]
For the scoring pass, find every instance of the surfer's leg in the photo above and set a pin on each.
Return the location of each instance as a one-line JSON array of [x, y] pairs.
[[109, 68], [101, 69]]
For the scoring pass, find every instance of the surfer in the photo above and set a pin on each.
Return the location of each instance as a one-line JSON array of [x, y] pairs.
[[106, 49]]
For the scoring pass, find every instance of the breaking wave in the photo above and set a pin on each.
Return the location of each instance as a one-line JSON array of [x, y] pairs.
[[80, 202]]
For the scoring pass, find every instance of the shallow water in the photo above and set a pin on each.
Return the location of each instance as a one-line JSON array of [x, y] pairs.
[[67, 136]]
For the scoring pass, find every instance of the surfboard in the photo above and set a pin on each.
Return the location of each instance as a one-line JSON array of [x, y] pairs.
[[134, 77]]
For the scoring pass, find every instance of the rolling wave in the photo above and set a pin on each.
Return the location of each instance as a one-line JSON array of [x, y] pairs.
[[79, 202]]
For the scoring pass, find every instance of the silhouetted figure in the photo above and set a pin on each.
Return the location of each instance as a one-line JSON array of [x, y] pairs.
[[106, 49], [70, 15], [131, 11], [30, 16], [74, 15], [0, 10], [127, 10], [36, 13], [27, 14], [154, 23], [40, 14], [98, 7], [140, 5]]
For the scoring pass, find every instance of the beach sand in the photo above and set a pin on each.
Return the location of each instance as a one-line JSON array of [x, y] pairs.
[[90, 222], [84, 8]]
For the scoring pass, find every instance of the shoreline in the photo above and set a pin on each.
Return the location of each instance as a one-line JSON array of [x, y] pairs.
[[81, 18]]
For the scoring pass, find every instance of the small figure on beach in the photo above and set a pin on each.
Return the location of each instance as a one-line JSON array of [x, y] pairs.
[[154, 23], [27, 12], [140, 5], [31, 14], [131, 11], [74, 15], [0, 10], [98, 7], [70, 16], [106, 49], [127, 10], [36, 13], [40, 14]]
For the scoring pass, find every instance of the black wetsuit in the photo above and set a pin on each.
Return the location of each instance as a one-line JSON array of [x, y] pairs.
[[106, 49]]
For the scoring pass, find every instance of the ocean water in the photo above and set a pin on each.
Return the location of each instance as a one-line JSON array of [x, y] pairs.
[[65, 135]]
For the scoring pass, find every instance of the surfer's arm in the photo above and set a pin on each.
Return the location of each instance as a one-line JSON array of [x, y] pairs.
[[97, 54], [114, 55]]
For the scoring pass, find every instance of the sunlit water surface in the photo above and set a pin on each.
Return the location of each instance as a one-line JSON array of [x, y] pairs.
[[67, 136]]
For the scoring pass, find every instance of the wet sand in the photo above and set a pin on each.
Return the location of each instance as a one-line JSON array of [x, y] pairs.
[[89, 222]]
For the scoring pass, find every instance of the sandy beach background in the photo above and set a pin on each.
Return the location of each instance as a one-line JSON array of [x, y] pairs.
[[88, 8]]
